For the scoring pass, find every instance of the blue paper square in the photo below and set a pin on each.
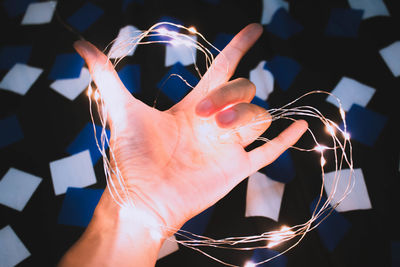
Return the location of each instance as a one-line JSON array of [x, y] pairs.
[[283, 25], [126, 3], [344, 22], [173, 86], [130, 77], [198, 224], [284, 70], [282, 169], [85, 140], [9, 55], [262, 254], [10, 131], [259, 102], [333, 228], [364, 125], [221, 40], [84, 17], [78, 206], [16, 7], [66, 66]]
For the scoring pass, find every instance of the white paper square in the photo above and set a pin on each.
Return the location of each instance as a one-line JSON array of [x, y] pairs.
[[17, 187], [391, 56], [123, 44], [263, 80], [371, 8], [71, 88], [269, 9], [39, 13], [73, 171], [264, 196], [168, 247], [20, 78], [12, 250], [351, 92], [182, 50], [357, 199]]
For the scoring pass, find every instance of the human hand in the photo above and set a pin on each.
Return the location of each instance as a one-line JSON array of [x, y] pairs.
[[177, 163]]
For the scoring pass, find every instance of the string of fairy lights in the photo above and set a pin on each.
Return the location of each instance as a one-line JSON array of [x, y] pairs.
[[340, 146]]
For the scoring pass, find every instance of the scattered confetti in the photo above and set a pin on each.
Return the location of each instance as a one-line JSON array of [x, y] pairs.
[[39, 13], [66, 66], [358, 198], [284, 70], [264, 196], [84, 17], [72, 87], [17, 187], [333, 229], [351, 92], [283, 25], [263, 80], [344, 22], [371, 8], [391, 56], [20, 78], [9, 55], [78, 206], [173, 86], [12, 250], [130, 77], [73, 171], [11, 131]]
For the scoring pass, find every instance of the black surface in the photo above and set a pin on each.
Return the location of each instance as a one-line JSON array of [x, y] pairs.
[[50, 122]]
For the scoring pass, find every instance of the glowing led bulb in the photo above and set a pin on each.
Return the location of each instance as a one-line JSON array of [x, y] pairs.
[[342, 113], [162, 31], [96, 95], [330, 129], [320, 148], [284, 233], [323, 161], [89, 91], [285, 228], [272, 244], [249, 264], [192, 30], [346, 135]]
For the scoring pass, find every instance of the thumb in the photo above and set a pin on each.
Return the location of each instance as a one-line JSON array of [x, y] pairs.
[[112, 90]]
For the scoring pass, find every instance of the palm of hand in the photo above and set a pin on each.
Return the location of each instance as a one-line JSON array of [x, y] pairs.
[[176, 166]]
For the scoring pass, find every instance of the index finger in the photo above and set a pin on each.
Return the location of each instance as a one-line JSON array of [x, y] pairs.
[[226, 62], [112, 90]]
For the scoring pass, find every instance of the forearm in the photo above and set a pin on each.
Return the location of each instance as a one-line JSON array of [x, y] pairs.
[[115, 237]]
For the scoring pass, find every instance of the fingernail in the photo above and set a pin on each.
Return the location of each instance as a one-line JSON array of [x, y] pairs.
[[204, 107], [227, 116]]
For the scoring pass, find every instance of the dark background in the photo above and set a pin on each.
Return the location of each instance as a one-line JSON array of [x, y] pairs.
[[50, 122]]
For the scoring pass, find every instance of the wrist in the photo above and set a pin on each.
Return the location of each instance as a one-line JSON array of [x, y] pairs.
[[127, 220], [117, 236]]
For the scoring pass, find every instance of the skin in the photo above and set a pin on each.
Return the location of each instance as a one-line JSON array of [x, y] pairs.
[[175, 163]]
